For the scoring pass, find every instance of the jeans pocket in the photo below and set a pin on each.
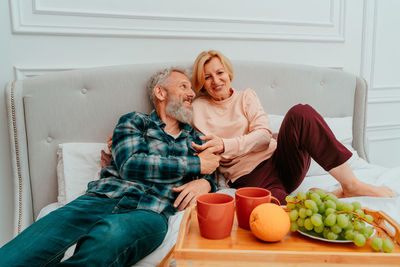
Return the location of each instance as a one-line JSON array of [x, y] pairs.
[[126, 204]]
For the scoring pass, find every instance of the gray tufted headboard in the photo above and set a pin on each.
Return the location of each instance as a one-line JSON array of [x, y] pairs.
[[84, 106]]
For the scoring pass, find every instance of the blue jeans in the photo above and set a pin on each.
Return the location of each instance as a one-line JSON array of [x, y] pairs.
[[108, 232]]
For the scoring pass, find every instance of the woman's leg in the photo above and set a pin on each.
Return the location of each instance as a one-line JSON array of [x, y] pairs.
[[304, 133], [265, 176]]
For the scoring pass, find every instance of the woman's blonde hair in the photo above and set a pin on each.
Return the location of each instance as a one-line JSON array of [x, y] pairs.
[[198, 78]]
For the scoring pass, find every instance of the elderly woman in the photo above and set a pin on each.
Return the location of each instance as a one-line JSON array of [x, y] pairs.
[[236, 126]]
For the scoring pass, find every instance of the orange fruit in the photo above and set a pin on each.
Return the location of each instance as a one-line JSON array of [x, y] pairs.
[[269, 222]]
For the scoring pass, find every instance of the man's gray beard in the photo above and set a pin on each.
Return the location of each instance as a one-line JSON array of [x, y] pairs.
[[176, 110]]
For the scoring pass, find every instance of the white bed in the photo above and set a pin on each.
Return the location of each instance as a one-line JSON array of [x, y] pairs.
[[83, 106]]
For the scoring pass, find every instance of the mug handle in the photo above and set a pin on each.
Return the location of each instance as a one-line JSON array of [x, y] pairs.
[[276, 200]]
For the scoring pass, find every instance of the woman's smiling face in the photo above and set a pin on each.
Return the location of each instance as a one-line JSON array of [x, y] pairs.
[[217, 82]]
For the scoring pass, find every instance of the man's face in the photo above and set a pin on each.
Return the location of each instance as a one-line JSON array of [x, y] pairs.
[[180, 97]]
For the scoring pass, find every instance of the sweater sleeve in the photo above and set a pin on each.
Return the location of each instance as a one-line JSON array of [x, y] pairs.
[[258, 136]]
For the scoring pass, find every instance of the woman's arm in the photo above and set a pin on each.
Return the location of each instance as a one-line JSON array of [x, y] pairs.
[[257, 138]]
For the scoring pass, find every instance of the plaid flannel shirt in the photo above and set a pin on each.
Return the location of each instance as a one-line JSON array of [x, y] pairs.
[[147, 163]]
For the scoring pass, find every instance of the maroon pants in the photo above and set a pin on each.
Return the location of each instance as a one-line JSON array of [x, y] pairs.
[[303, 135]]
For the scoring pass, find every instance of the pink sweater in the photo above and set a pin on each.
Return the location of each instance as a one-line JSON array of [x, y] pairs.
[[242, 124]]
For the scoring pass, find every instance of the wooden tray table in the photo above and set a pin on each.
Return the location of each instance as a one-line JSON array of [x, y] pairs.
[[242, 248]]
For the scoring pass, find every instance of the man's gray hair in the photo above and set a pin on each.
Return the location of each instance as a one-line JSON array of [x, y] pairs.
[[160, 78]]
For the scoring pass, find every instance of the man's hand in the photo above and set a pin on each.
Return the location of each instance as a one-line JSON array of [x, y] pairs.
[[189, 193], [209, 162], [214, 144]]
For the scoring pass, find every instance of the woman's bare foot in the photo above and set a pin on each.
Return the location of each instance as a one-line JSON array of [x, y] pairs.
[[363, 189], [352, 187], [338, 192]]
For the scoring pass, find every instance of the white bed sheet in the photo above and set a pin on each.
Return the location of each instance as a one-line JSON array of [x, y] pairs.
[[366, 172]]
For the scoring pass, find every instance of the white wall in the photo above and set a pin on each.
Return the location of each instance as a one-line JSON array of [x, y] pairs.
[[6, 74], [356, 36], [381, 70]]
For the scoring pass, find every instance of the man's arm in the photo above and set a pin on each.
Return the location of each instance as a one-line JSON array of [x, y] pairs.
[[189, 192], [134, 160]]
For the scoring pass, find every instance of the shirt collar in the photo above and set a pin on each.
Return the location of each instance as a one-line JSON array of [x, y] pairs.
[[156, 119]]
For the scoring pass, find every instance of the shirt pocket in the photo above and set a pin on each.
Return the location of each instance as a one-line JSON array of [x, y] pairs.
[[156, 142]]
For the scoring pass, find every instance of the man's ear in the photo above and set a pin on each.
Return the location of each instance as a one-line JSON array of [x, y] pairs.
[[160, 93]]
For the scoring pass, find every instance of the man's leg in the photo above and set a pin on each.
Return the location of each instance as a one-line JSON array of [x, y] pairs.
[[45, 241], [120, 239]]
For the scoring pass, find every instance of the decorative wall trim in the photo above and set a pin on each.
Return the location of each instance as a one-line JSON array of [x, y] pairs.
[[379, 128], [384, 99], [394, 87], [382, 139], [32, 17], [39, 9], [384, 94], [368, 44], [383, 127]]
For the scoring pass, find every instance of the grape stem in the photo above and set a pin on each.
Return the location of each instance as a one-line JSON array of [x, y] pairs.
[[352, 212], [294, 202]]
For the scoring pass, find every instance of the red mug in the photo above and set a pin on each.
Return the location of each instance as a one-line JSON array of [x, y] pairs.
[[215, 213], [247, 198]]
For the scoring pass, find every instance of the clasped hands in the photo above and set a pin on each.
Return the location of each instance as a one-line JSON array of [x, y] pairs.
[[209, 162]]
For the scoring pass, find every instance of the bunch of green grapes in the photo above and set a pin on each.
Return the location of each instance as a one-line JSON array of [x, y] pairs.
[[322, 214]]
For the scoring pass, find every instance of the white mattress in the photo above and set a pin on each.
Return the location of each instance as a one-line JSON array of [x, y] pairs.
[[364, 171]]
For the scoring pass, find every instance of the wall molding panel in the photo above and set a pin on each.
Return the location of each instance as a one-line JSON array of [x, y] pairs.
[[322, 21], [386, 126], [368, 44], [384, 99], [384, 139], [383, 132], [384, 94]]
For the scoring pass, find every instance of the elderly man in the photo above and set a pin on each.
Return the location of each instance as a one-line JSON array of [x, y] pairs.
[[123, 216]]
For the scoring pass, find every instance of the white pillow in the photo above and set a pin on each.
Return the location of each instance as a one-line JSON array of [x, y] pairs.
[[341, 127], [77, 165]]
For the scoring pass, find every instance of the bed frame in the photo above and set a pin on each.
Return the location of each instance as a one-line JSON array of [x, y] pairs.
[[84, 106]]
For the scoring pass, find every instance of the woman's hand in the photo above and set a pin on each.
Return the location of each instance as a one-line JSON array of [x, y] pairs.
[[105, 159], [214, 144]]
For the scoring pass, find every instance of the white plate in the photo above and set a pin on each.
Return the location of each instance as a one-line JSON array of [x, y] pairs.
[[328, 240]]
